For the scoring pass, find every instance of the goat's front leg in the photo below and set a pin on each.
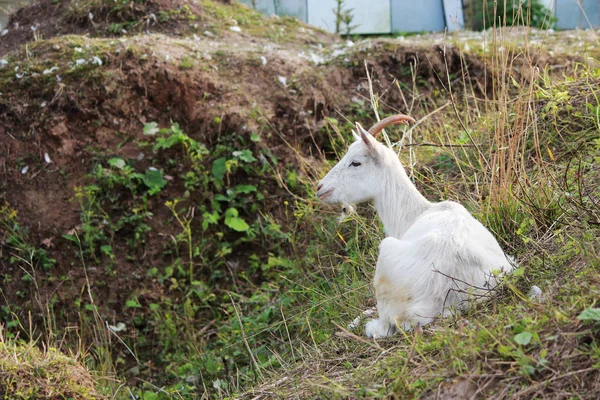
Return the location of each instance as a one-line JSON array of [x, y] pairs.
[[393, 293], [379, 328]]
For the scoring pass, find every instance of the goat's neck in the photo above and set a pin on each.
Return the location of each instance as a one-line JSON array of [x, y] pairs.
[[400, 203]]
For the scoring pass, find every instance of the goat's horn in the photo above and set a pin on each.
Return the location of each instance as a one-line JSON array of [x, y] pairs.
[[394, 119]]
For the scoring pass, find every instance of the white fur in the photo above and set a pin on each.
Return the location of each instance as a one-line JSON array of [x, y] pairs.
[[435, 256]]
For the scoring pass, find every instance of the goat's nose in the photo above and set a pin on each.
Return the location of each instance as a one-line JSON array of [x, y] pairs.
[[319, 186]]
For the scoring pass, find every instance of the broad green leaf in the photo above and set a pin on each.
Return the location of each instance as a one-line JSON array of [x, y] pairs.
[[175, 128], [245, 189], [231, 212], [219, 168], [523, 338], [234, 222], [528, 369], [220, 197], [117, 163], [151, 128], [244, 155], [12, 324], [209, 218], [591, 314], [168, 142], [106, 249], [154, 178], [150, 396], [72, 238], [133, 303]]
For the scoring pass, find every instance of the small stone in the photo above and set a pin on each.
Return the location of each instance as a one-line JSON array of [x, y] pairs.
[[118, 328], [535, 292]]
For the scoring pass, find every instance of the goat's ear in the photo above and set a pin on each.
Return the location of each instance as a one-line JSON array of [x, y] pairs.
[[367, 139], [356, 136]]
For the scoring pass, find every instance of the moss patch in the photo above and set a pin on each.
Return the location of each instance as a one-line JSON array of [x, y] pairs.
[[28, 373]]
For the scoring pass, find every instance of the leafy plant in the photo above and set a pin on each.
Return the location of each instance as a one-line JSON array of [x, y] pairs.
[[493, 13], [16, 238], [343, 16]]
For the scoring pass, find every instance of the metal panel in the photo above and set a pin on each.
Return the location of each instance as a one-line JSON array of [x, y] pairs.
[[571, 16], [266, 7], [453, 12], [416, 16], [549, 4], [292, 8], [370, 16]]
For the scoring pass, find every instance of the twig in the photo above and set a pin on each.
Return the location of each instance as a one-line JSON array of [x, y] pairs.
[[438, 145], [453, 102], [459, 280], [347, 334], [123, 343], [374, 102], [420, 121], [539, 384]]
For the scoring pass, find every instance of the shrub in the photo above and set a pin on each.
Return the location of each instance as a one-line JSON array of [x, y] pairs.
[[490, 13]]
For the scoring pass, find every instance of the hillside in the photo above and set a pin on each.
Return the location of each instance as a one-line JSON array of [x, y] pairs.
[[158, 220]]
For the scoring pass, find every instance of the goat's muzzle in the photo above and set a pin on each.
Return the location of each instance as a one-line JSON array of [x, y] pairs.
[[323, 194]]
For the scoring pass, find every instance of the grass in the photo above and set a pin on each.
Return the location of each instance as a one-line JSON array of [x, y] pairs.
[[255, 281], [26, 372], [512, 345], [517, 182]]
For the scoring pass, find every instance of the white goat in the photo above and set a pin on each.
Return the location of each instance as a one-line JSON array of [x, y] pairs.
[[436, 255]]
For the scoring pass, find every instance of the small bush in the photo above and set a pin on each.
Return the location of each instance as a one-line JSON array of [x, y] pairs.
[[490, 13]]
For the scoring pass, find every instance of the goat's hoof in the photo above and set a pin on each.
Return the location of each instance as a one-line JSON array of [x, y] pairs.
[[407, 327], [377, 329]]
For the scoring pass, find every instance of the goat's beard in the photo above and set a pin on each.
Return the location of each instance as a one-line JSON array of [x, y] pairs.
[[347, 209]]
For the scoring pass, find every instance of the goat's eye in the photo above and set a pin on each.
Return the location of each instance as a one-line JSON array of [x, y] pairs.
[[355, 164]]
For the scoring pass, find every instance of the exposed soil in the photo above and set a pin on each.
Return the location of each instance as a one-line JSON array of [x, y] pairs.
[[46, 19]]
